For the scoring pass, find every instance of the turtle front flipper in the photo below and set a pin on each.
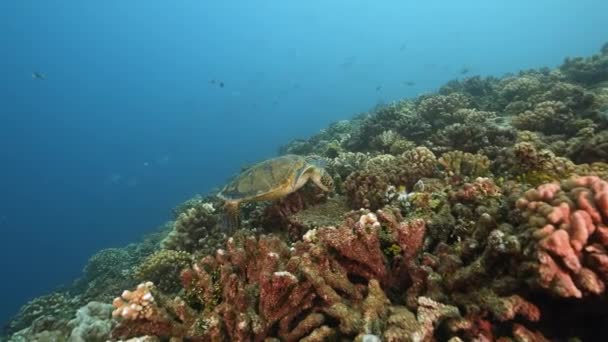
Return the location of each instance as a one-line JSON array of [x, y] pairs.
[[231, 218]]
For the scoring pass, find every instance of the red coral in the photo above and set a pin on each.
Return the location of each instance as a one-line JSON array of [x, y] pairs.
[[359, 246], [143, 312], [480, 188], [258, 288]]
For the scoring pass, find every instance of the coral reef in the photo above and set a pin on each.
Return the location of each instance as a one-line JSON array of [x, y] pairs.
[[589, 70], [56, 305], [106, 273], [478, 213], [92, 323], [259, 287]]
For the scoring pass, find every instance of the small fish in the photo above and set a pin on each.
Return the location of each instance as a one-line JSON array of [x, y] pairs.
[[212, 81], [409, 83], [38, 75], [221, 84], [403, 47], [378, 88], [464, 70]]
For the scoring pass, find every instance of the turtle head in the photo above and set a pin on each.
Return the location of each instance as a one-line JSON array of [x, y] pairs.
[[320, 175], [327, 180]]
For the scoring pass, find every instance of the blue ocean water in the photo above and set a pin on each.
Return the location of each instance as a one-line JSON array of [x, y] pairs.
[[146, 103]]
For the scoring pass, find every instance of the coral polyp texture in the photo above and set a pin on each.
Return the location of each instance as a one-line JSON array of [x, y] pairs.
[[569, 223], [477, 213]]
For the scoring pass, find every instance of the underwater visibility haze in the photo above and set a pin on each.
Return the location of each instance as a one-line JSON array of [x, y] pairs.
[[459, 171]]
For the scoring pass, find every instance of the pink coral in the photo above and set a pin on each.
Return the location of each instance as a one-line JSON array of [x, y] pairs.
[[141, 312], [138, 304], [569, 224]]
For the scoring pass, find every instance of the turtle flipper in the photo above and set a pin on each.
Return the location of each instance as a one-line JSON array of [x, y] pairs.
[[231, 218]]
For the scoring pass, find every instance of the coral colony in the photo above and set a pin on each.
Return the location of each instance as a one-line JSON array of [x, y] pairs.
[[478, 213]]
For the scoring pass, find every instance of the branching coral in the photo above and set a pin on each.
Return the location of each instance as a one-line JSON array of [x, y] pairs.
[[520, 88], [195, 230], [403, 325], [481, 91], [143, 312], [462, 164], [346, 163], [590, 149], [401, 117], [258, 288], [328, 142], [588, 70], [163, 268], [550, 117], [533, 166], [440, 110], [471, 131], [368, 188]]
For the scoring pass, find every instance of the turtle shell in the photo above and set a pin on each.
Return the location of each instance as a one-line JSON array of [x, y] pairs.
[[265, 177]]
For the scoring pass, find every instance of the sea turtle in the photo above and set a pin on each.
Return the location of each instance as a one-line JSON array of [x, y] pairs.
[[270, 180]]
